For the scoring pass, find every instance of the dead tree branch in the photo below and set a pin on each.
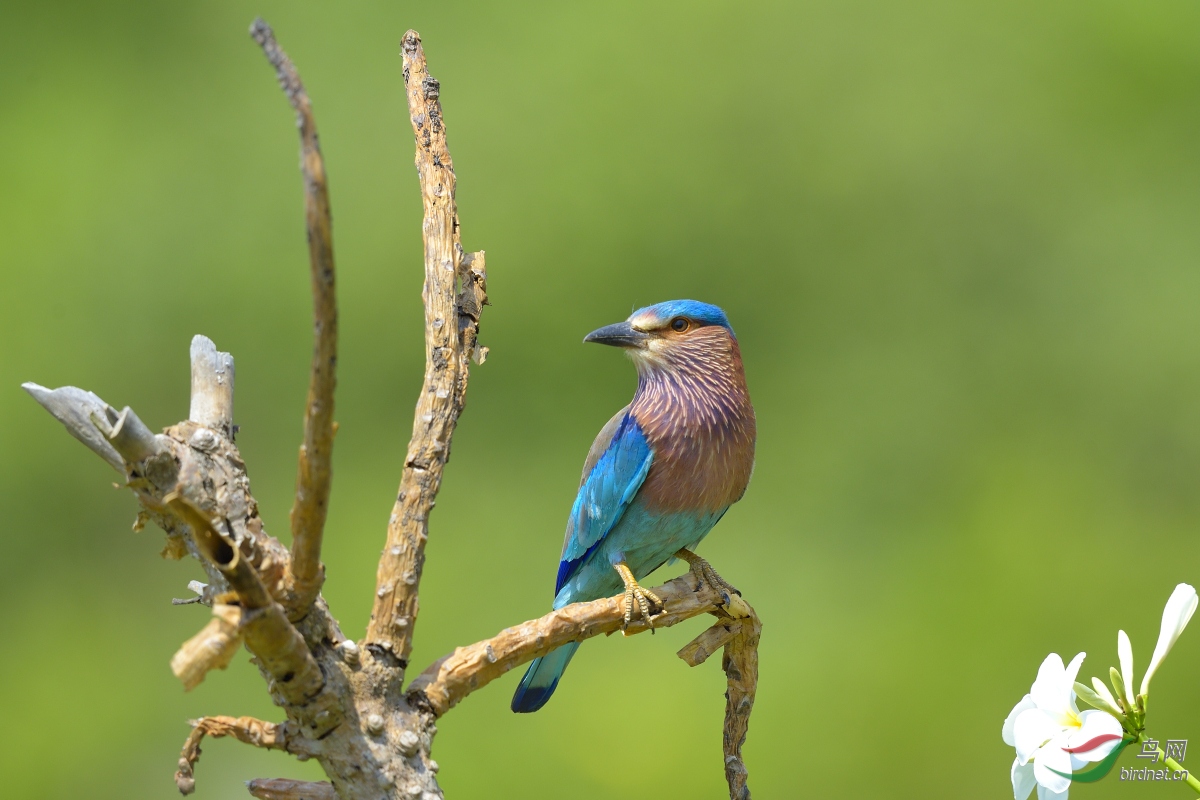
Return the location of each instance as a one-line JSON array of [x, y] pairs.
[[451, 327], [315, 473], [279, 647], [248, 730], [451, 678], [345, 701], [740, 663], [284, 789], [212, 648], [212, 386]]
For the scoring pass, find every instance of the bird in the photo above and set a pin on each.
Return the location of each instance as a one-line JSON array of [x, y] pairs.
[[660, 474]]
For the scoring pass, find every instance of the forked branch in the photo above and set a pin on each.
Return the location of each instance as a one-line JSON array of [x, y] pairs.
[[315, 469]]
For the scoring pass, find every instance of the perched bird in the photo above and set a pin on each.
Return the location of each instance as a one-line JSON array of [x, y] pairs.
[[661, 473]]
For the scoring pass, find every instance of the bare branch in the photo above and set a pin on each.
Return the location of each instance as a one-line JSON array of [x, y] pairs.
[[133, 440], [212, 386], [268, 735], [315, 472], [212, 648], [740, 663], [284, 789], [450, 679], [80, 412], [697, 651], [280, 648], [451, 328]]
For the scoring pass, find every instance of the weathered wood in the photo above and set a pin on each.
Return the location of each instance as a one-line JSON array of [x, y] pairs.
[[740, 663], [132, 439], [279, 647], [267, 735], [451, 328], [446, 682], [315, 472], [212, 386], [284, 789], [212, 648], [81, 412], [697, 651]]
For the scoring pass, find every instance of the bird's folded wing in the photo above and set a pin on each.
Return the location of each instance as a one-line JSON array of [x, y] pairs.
[[606, 491]]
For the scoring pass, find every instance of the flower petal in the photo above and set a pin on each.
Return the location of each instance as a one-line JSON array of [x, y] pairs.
[[1033, 729], [1046, 794], [1069, 681], [1047, 690], [1007, 731], [1072, 670], [1052, 757], [1180, 607], [1125, 656], [1022, 780], [1095, 723]]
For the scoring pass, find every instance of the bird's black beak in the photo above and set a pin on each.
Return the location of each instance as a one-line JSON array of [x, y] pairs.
[[622, 334]]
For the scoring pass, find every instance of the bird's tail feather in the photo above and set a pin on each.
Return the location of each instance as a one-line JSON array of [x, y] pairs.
[[541, 679]]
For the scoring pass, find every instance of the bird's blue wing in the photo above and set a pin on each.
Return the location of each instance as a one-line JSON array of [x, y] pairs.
[[607, 489]]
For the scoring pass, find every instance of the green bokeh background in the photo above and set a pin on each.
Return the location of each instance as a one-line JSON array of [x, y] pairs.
[[958, 242]]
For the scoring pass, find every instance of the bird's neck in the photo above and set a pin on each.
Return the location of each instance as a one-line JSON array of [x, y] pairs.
[[698, 383], [693, 407]]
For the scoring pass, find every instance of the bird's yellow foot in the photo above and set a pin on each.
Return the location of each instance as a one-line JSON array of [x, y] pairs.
[[705, 573], [646, 600]]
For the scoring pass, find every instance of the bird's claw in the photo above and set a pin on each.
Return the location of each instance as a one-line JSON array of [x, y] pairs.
[[706, 574], [649, 604]]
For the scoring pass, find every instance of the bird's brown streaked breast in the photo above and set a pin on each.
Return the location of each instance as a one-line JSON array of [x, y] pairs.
[[700, 423]]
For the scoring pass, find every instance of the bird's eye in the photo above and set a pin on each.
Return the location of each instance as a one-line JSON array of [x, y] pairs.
[[679, 324]]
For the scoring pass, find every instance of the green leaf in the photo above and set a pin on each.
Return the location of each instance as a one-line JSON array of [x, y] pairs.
[[1087, 695]]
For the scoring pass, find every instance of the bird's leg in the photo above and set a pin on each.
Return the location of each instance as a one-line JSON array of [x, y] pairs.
[[643, 596], [704, 572]]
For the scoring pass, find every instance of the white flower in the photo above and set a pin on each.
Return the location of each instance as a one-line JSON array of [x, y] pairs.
[[1046, 723], [1180, 607]]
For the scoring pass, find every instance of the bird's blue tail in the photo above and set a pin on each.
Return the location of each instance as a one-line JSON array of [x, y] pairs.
[[542, 678]]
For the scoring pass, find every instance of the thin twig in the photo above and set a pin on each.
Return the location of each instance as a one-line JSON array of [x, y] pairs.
[[285, 789], [268, 735], [212, 648], [314, 474], [451, 328]]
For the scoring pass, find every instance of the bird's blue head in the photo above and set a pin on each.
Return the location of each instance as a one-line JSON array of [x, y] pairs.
[[674, 328]]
